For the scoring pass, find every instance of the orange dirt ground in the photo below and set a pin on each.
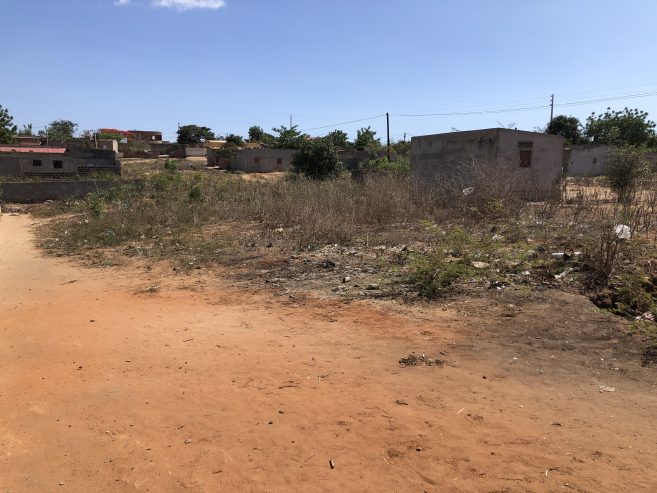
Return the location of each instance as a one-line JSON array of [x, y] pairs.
[[103, 388]]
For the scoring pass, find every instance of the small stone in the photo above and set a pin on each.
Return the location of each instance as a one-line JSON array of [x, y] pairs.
[[188, 441], [418, 449], [346, 279], [372, 287]]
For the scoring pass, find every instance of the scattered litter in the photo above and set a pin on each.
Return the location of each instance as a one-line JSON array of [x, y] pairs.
[[462, 409], [332, 464], [480, 265], [606, 388], [561, 276], [188, 441], [401, 403], [496, 285], [623, 232], [415, 360], [468, 191]]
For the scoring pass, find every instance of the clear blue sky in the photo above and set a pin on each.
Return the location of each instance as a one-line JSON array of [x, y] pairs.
[[151, 64]]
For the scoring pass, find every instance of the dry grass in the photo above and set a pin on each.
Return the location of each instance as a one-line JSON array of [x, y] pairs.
[[197, 218]]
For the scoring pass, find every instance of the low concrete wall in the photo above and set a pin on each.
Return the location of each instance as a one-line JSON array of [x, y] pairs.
[[40, 191], [196, 151], [589, 160], [262, 160]]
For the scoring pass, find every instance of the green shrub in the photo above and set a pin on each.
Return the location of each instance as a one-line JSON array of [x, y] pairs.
[[317, 159], [625, 166]]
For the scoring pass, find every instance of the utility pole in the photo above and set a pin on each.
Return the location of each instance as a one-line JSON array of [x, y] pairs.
[[290, 120], [388, 131], [551, 108]]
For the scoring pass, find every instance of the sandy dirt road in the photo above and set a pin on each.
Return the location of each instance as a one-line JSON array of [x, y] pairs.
[[219, 389]]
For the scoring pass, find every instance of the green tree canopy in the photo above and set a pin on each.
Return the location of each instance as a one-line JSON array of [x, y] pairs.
[[7, 127], [366, 139], [317, 159], [233, 139], [256, 134], [568, 127], [26, 131], [339, 139], [619, 128], [287, 138], [61, 130], [194, 135]]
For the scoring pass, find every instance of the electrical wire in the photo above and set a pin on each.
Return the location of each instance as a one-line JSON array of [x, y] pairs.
[[344, 123]]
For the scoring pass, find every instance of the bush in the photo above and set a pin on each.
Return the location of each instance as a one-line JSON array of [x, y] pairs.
[[317, 159], [624, 168], [401, 164]]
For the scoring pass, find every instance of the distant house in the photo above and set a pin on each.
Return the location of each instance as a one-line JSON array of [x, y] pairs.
[[586, 160], [215, 144], [56, 161], [154, 137], [530, 162], [262, 160], [26, 140]]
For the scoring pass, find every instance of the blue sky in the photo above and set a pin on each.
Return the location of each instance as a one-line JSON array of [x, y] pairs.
[[151, 64]]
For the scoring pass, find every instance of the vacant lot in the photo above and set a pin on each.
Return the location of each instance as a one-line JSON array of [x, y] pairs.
[[243, 367]]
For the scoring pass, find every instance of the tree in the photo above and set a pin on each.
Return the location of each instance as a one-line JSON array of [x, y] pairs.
[[568, 127], [625, 165], [317, 159], [366, 139], [7, 127], [287, 138], [620, 128], [235, 140], [26, 131], [339, 139], [194, 135], [61, 130], [401, 148], [256, 134]]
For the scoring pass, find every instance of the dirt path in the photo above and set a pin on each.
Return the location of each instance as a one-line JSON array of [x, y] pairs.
[[103, 389]]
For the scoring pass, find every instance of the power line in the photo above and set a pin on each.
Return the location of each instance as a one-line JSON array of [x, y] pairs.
[[344, 123], [531, 108]]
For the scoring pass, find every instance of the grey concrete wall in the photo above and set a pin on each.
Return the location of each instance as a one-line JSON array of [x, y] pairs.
[[588, 160], [74, 162], [196, 151], [443, 156], [651, 157], [28, 192], [262, 160], [474, 157], [545, 170]]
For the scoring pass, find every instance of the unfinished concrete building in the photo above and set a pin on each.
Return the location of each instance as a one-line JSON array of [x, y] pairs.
[[54, 162], [262, 160], [586, 160], [529, 162]]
